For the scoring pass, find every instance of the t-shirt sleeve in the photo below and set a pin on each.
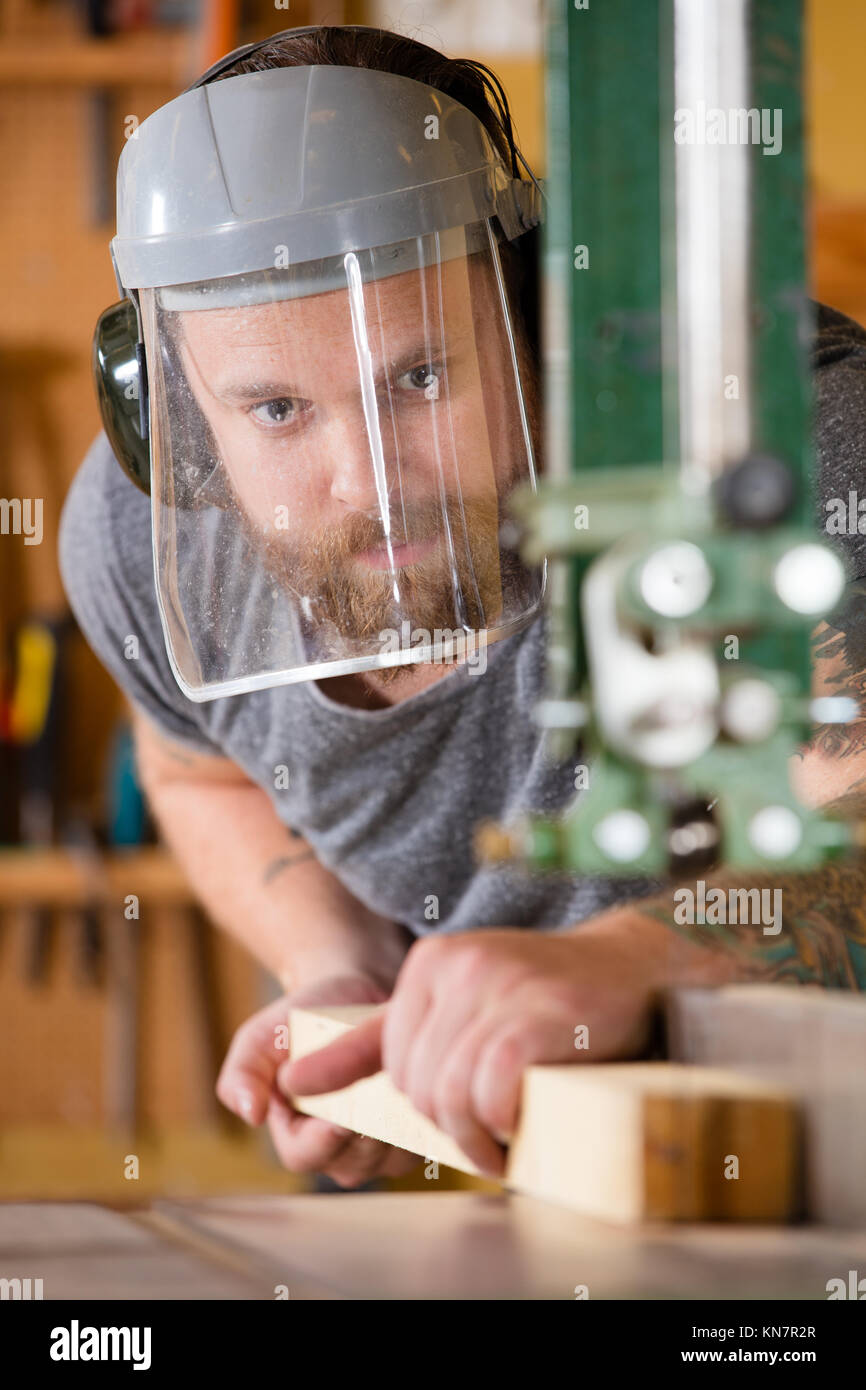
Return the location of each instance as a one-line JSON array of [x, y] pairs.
[[107, 570]]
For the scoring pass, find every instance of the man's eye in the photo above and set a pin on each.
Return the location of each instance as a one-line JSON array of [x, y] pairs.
[[277, 412], [426, 378]]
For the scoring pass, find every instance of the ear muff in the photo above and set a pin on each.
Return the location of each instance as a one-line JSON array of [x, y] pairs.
[[120, 375]]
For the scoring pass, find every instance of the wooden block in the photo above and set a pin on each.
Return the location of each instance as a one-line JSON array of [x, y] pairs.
[[813, 1043], [622, 1141]]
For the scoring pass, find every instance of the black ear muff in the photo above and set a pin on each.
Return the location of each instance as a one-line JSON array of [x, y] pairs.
[[120, 377]]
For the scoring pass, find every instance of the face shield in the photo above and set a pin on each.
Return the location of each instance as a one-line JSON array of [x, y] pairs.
[[333, 445]]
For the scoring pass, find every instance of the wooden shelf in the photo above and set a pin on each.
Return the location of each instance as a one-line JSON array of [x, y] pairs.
[[138, 59], [189, 1160], [57, 878]]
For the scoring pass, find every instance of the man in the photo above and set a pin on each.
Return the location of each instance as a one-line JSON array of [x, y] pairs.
[[343, 393]]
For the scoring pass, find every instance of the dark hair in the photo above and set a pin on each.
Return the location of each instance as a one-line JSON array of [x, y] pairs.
[[471, 83]]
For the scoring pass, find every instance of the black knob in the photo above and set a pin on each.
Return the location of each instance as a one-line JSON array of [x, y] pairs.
[[758, 492]]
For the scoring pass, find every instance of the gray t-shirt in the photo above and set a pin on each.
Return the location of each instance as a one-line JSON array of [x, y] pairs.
[[388, 799]]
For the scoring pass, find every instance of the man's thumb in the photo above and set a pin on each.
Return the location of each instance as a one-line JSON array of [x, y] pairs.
[[356, 1054]]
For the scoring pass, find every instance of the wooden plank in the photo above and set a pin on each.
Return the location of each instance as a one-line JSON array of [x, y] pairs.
[[372, 1106], [622, 1141], [812, 1042]]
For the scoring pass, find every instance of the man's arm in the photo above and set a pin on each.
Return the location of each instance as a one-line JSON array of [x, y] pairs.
[[266, 887], [256, 879], [832, 770], [823, 934]]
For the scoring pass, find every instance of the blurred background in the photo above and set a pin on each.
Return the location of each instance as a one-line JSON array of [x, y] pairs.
[[112, 1025]]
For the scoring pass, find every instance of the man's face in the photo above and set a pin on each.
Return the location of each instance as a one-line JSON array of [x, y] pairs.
[[370, 459]]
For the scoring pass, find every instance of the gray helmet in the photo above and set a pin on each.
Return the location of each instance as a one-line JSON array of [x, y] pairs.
[[336, 412], [296, 164]]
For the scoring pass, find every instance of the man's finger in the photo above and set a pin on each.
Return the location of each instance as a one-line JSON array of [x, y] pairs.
[[358, 1163], [247, 1073], [302, 1144], [349, 1058]]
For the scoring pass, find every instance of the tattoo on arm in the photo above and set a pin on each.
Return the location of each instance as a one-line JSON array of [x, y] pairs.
[[839, 654], [823, 925], [839, 740], [176, 756], [821, 932], [851, 805], [285, 862]]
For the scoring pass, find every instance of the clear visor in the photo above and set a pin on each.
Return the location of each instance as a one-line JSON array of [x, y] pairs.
[[333, 446]]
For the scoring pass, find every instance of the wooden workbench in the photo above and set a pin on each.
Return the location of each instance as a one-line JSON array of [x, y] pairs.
[[395, 1245]]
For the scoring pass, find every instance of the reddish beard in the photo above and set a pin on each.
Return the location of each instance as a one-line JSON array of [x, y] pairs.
[[458, 585]]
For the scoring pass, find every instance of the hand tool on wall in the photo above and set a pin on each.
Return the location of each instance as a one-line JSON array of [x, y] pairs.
[[103, 18], [100, 193], [8, 752], [218, 30], [80, 841], [34, 723], [125, 808], [125, 821]]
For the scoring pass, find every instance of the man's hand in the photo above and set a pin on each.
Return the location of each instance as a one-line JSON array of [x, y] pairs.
[[470, 1012], [249, 1085]]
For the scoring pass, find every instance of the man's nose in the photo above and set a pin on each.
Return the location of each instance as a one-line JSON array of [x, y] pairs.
[[350, 460]]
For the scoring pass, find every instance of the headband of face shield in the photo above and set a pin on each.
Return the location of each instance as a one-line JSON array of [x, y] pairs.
[[334, 438]]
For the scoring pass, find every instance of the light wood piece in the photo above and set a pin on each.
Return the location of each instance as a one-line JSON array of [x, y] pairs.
[[623, 1141], [811, 1041]]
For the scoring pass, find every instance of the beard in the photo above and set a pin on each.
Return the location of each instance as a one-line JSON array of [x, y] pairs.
[[462, 585]]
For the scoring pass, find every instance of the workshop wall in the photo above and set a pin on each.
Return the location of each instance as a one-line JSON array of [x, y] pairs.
[[74, 1077], [64, 100], [836, 58]]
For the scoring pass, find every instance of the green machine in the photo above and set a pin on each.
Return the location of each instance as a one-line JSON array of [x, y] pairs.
[[676, 511]]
